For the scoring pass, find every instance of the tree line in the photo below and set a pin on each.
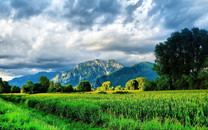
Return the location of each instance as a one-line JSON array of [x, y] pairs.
[[133, 84], [6, 88], [47, 86]]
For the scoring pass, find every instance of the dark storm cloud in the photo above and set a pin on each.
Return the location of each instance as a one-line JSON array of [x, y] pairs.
[[130, 9], [133, 50], [140, 48], [178, 14], [27, 8], [86, 13], [7, 57], [67, 32], [31, 65]]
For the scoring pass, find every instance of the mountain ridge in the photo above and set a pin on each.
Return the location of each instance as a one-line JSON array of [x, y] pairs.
[[19, 81], [89, 70], [120, 77]]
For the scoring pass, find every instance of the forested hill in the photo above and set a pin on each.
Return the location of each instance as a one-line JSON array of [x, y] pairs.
[[120, 77]]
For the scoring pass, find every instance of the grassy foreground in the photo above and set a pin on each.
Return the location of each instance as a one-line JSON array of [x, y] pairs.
[[18, 117], [140, 110]]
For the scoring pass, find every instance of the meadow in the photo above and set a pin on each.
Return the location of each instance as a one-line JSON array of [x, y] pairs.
[[134, 110]]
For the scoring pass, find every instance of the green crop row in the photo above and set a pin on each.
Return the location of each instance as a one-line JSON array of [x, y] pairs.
[[13, 117], [177, 109]]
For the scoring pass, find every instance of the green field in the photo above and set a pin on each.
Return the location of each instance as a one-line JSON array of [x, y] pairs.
[[139, 110]]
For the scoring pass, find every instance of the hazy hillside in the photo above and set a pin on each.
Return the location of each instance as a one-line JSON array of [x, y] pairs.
[[34, 78], [120, 77], [89, 71]]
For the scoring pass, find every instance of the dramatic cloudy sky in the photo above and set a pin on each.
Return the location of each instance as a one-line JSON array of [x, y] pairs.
[[54, 35]]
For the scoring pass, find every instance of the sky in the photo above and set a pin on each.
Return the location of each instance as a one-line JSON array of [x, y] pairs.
[[54, 35]]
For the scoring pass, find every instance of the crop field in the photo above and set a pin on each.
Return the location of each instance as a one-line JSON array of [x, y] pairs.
[[134, 110]]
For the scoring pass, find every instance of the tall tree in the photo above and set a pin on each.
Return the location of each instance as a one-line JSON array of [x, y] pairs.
[[106, 85], [141, 81], [28, 88], [44, 81], [183, 53], [1, 86], [132, 84]]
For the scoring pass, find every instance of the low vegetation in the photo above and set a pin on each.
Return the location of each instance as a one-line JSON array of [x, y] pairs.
[[17, 117], [165, 109]]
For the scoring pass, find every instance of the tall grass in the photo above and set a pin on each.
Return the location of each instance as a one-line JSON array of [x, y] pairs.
[[13, 117], [141, 110]]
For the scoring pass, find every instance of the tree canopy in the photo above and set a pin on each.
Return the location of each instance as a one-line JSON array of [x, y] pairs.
[[84, 86], [182, 54]]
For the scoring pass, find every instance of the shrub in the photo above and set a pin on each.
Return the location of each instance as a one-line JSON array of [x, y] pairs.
[[121, 92], [101, 92], [84, 86]]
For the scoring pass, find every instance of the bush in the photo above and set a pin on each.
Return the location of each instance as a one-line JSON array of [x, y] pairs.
[[101, 92], [150, 86], [84, 86], [68, 88], [121, 92]]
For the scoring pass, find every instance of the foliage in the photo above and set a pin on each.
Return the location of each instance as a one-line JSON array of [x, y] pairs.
[[132, 84], [121, 76], [38, 88], [15, 89], [141, 81], [68, 88], [183, 53], [44, 81], [106, 85], [101, 92], [4, 86], [51, 87], [142, 110], [117, 88], [150, 86], [58, 87], [16, 117], [84, 86], [28, 88], [120, 92]]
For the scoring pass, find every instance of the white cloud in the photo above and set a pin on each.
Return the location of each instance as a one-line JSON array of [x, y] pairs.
[[63, 33]]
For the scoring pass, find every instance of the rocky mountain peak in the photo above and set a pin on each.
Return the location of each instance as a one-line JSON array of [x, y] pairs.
[[89, 70]]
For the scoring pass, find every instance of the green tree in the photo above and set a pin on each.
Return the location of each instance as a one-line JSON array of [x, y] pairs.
[[51, 87], [58, 87], [68, 88], [28, 88], [44, 81], [150, 86], [141, 81], [38, 88], [117, 88], [106, 85], [183, 53], [1, 86], [132, 85], [15, 89], [84, 86], [203, 78]]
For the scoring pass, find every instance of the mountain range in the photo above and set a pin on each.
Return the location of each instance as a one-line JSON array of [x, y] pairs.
[[120, 77], [96, 72], [89, 71], [34, 78]]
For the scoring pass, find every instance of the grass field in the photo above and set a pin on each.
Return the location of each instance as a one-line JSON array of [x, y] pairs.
[[13, 116], [135, 110]]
